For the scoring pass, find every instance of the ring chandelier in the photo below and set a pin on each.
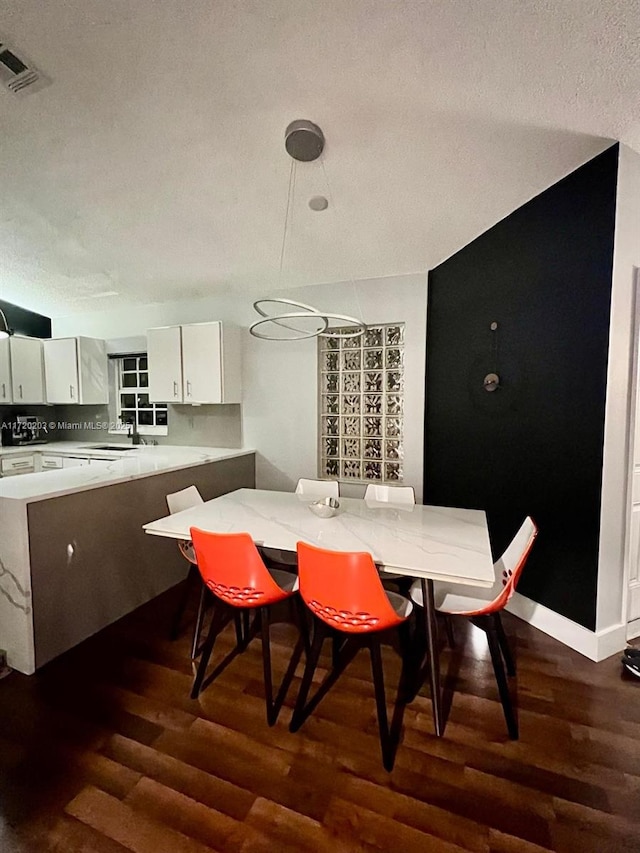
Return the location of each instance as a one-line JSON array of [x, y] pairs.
[[306, 312], [304, 142]]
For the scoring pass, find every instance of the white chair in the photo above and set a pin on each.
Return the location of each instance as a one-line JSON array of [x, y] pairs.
[[318, 488], [390, 494], [312, 489], [483, 607], [184, 499], [177, 502]]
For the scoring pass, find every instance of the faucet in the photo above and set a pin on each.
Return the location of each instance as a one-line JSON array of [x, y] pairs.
[[133, 434]]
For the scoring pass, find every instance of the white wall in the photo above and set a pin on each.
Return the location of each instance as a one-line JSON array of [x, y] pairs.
[[279, 406], [618, 413]]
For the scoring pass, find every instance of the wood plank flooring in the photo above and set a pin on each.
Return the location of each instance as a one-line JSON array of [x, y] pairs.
[[103, 750]]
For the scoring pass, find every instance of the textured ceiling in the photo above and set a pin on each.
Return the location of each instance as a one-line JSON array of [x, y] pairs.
[[154, 165]]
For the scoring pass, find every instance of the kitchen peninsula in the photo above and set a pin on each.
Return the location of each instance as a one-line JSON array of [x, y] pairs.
[[73, 556]]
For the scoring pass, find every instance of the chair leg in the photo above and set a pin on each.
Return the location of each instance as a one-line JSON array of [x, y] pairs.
[[299, 715], [501, 678], [202, 606], [241, 638], [381, 705], [448, 626], [217, 620], [504, 645], [336, 644], [301, 616], [266, 664]]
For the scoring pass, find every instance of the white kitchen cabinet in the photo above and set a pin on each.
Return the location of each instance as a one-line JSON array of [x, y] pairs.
[[198, 363], [74, 461], [164, 360], [50, 463], [11, 465], [76, 370], [5, 371], [95, 462], [27, 374]]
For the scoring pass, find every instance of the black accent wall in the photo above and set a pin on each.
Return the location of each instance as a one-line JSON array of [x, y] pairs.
[[535, 445], [25, 322]]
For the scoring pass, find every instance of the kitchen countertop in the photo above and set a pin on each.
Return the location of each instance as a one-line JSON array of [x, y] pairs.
[[143, 461]]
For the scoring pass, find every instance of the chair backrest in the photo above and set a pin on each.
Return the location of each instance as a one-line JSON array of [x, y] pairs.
[[184, 499], [390, 494], [343, 589], [176, 502], [318, 488], [510, 565], [233, 569]]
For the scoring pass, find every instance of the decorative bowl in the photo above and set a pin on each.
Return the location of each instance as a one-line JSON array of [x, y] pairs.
[[325, 507]]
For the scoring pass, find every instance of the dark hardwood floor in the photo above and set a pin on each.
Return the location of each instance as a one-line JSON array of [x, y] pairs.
[[102, 750]]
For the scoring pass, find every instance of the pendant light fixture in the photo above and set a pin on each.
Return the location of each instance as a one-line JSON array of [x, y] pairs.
[[304, 142]]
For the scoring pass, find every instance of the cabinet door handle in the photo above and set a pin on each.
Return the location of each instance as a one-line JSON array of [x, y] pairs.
[[175, 389], [4, 390], [188, 388], [20, 390], [71, 391]]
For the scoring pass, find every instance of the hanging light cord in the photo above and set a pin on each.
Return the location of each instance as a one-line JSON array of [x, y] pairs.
[[285, 233]]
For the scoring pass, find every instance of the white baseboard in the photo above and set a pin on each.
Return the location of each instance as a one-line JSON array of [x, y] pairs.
[[595, 645]]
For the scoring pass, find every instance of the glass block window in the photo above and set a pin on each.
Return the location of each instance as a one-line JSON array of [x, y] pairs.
[[132, 397], [361, 383]]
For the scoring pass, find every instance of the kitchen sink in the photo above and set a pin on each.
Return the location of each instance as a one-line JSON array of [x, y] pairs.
[[117, 447]]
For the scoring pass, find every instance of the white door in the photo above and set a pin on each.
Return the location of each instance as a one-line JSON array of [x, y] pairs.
[[632, 545], [27, 375], [61, 370], [5, 371], [202, 363], [165, 365]]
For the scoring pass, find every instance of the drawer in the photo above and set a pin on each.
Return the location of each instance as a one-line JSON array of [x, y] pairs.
[[51, 462], [17, 465]]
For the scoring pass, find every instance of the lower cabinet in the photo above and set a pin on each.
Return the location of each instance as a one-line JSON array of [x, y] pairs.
[[50, 463], [74, 461], [11, 465], [90, 561]]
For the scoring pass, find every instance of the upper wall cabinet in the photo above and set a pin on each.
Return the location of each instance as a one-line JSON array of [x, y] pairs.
[[76, 371], [197, 363], [27, 376], [5, 372]]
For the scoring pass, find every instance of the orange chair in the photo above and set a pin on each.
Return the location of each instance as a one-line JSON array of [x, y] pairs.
[[345, 595], [234, 572], [483, 607]]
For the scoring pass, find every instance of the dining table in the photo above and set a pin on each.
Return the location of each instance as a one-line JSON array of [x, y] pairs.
[[430, 543]]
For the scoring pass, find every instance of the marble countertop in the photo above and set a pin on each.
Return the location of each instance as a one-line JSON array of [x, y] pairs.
[[142, 461]]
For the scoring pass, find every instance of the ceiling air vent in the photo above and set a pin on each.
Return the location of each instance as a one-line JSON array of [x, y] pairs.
[[19, 75]]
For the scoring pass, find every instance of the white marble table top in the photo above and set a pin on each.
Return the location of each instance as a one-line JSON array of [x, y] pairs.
[[422, 541]]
